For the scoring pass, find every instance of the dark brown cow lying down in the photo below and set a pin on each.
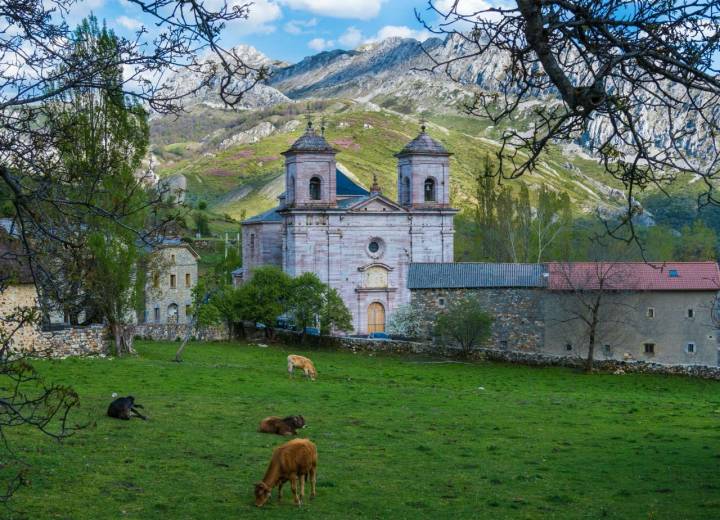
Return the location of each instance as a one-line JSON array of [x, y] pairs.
[[287, 426]]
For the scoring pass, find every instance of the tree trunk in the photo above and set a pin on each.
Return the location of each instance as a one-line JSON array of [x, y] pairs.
[[124, 336], [179, 352], [591, 342]]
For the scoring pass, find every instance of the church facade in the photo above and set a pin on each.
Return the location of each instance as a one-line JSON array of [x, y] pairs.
[[357, 241]]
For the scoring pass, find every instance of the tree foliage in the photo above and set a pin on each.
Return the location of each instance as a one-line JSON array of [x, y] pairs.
[[408, 320], [609, 63], [465, 323]]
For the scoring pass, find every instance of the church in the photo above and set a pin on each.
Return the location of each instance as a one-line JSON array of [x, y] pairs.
[[357, 241]]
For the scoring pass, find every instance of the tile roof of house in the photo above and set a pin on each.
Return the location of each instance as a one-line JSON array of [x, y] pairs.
[[634, 276], [14, 265], [474, 275]]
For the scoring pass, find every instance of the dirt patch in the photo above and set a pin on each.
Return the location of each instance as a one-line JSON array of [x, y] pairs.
[[346, 143]]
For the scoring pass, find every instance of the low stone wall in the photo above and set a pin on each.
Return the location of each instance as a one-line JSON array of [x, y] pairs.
[[77, 341], [524, 358], [178, 331]]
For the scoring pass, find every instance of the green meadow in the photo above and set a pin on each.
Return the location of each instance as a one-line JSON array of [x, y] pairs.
[[397, 438]]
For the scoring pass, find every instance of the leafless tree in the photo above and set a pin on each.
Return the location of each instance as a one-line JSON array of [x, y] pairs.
[[608, 62], [52, 204], [586, 303]]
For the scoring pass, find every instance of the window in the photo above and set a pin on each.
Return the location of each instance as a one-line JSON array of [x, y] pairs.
[[607, 351], [374, 247], [187, 279], [252, 244], [157, 313], [649, 348], [568, 347], [691, 313], [172, 313], [430, 190], [172, 258], [651, 312], [156, 280], [503, 344], [173, 281], [690, 348], [315, 191], [188, 310], [441, 302], [673, 273]]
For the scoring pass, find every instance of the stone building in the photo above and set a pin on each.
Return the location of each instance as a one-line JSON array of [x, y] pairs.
[[17, 291], [511, 293], [357, 241], [661, 313], [172, 275]]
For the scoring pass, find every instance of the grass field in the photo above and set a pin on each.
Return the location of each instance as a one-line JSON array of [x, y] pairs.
[[397, 438]]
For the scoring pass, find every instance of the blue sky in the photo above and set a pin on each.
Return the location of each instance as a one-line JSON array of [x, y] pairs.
[[292, 29]]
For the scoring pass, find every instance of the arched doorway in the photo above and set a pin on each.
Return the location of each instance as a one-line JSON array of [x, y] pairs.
[[376, 318]]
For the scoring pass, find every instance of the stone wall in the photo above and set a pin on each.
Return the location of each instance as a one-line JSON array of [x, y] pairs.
[[178, 331], [16, 297], [519, 323], [524, 358], [76, 341]]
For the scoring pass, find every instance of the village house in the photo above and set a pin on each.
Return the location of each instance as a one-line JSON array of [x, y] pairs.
[[662, 313], [356, 240], [172, 274]]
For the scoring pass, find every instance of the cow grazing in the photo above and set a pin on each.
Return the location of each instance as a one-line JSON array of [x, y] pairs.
[[287, 426], [303, 363], [295, 460], [122, 407]]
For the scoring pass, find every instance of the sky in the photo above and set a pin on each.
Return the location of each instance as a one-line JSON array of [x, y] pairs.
[[289, 30]]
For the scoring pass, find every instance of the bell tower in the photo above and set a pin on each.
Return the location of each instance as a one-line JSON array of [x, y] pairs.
[[424, 173], [310, 171]]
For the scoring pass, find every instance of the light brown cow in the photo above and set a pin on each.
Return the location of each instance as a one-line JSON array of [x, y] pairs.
[[295, 460], [301, 362]]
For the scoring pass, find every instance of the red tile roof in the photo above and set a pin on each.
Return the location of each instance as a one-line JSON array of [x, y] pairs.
[[634, 276]]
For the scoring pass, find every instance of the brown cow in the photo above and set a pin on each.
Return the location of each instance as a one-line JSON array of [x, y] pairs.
[[296, 459], [303, 363], [287, 426]]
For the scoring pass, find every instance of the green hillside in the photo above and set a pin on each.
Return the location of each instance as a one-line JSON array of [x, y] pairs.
[[247, 178]]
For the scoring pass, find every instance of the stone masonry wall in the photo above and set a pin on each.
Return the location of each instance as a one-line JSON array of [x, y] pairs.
[[178, 331], [77, 341], [11, 299], [519, 323]]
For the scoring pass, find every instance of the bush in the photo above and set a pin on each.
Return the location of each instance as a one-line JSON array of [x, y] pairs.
[[465, 323]]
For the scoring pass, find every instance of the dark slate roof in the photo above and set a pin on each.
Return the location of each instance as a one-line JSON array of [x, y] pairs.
[[351, 201], [270, 215], [345, 186], [475, 275], [423, 144], [310, 141]]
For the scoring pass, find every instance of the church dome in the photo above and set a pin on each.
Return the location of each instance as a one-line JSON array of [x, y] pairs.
[[423, 144], [310, 141]]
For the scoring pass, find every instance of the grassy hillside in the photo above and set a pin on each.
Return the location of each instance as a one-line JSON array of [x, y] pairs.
[[396, 437], [245, 179]]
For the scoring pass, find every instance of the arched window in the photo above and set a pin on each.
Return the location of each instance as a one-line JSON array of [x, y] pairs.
[[172, 313], [429, 190], [291, 194], [315, 185], [406, 195]]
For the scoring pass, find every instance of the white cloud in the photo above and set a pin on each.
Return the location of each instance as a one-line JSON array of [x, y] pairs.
[[399, 31], [129, 23], [300, 26], [351, 38], [320, 44], [261, 13], [464, 7], [355, 9]]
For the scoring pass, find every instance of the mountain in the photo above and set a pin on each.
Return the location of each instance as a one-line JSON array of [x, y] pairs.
[[372, 98]]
